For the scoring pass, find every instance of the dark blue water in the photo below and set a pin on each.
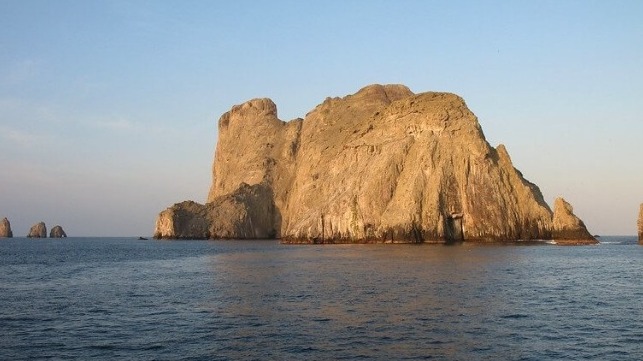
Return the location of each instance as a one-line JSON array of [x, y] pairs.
[[110, 298]]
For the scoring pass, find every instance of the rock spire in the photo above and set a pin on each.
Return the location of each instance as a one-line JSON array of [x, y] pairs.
[[5, 228]]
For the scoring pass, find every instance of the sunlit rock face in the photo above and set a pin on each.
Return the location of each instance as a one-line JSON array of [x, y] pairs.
[[381, 165], [38, 230], [57, 232], [5, 228]]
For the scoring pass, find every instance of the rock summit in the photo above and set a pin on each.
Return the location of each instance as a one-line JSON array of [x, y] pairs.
[[382, 165]]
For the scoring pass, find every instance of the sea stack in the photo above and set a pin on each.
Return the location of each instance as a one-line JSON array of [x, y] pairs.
[[38, 230], [383, 165], [5, 228], [57, 232], [640, 224]]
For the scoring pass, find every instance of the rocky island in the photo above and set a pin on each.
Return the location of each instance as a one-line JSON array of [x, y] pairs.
[[57, 232], [5, 228], [383, 165], [38, 230]]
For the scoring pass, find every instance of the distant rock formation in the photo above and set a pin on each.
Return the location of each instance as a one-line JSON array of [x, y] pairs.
[[381, 165], [567, 228], [38, 230], [57, 232], [5, 228], [640, 224]]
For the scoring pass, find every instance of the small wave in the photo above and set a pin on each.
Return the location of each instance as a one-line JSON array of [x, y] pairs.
[[610, 242]]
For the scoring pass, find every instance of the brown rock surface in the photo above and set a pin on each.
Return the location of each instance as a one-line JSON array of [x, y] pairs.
[[57, 232], [567, 228], [5, 228], [248, 212], [38, 230], [381, 165]]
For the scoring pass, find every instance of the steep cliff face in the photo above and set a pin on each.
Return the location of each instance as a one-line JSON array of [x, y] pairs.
[[57, 232], [382, 165], [38, 230], [640, 224], [5, 228]]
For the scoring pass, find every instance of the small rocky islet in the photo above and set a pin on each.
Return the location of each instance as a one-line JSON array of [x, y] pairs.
[[383, 165], [38, 230]]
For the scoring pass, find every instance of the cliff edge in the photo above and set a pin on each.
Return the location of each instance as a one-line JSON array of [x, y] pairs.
[[381, 165]]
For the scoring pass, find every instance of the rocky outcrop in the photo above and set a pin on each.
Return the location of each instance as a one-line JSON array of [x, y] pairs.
[[38, 230], [57, 232], [5, 228], [640, 224], [248, 212], [381, 165], [567, 228]]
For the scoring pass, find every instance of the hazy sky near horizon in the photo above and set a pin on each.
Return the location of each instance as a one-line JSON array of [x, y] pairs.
[[108, 109]]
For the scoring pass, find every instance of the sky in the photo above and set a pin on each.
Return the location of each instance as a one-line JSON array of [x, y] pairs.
[[109, 109]]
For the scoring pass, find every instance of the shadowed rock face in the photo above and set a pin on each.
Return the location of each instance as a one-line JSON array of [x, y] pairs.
[[247, 213], [381, 165], [38, 230], [5, 229], [57, 232], [640, 224]]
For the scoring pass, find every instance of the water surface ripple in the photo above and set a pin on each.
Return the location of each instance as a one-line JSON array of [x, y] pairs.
[[113, 298]]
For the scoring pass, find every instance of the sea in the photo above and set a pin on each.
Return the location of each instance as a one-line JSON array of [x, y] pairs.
[[130, 299]]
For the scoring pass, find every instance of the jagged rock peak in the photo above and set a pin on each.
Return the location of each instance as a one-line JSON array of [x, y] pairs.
[[38, 230], [57, 232], [5, 228], [640, 224], [567, 228]]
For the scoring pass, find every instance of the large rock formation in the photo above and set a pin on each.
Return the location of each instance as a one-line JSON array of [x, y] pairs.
[[57, 232], [381, 165], [5, 228], [38, 230], [640, 224]]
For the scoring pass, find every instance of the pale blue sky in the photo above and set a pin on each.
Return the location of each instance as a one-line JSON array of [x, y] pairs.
[[108, 109]]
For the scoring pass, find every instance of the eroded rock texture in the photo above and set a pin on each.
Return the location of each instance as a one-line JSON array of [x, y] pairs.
[[381, 165], [38, 230], [5, 228]]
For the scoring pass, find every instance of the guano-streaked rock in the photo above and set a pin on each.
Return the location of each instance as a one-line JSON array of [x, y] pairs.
[[5, 228], [57, 232], [38, 230], [381, 165]]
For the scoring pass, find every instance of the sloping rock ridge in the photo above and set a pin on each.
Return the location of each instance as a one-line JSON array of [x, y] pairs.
[[38, 230], [5, 228], [57, 232], [381, 165]]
